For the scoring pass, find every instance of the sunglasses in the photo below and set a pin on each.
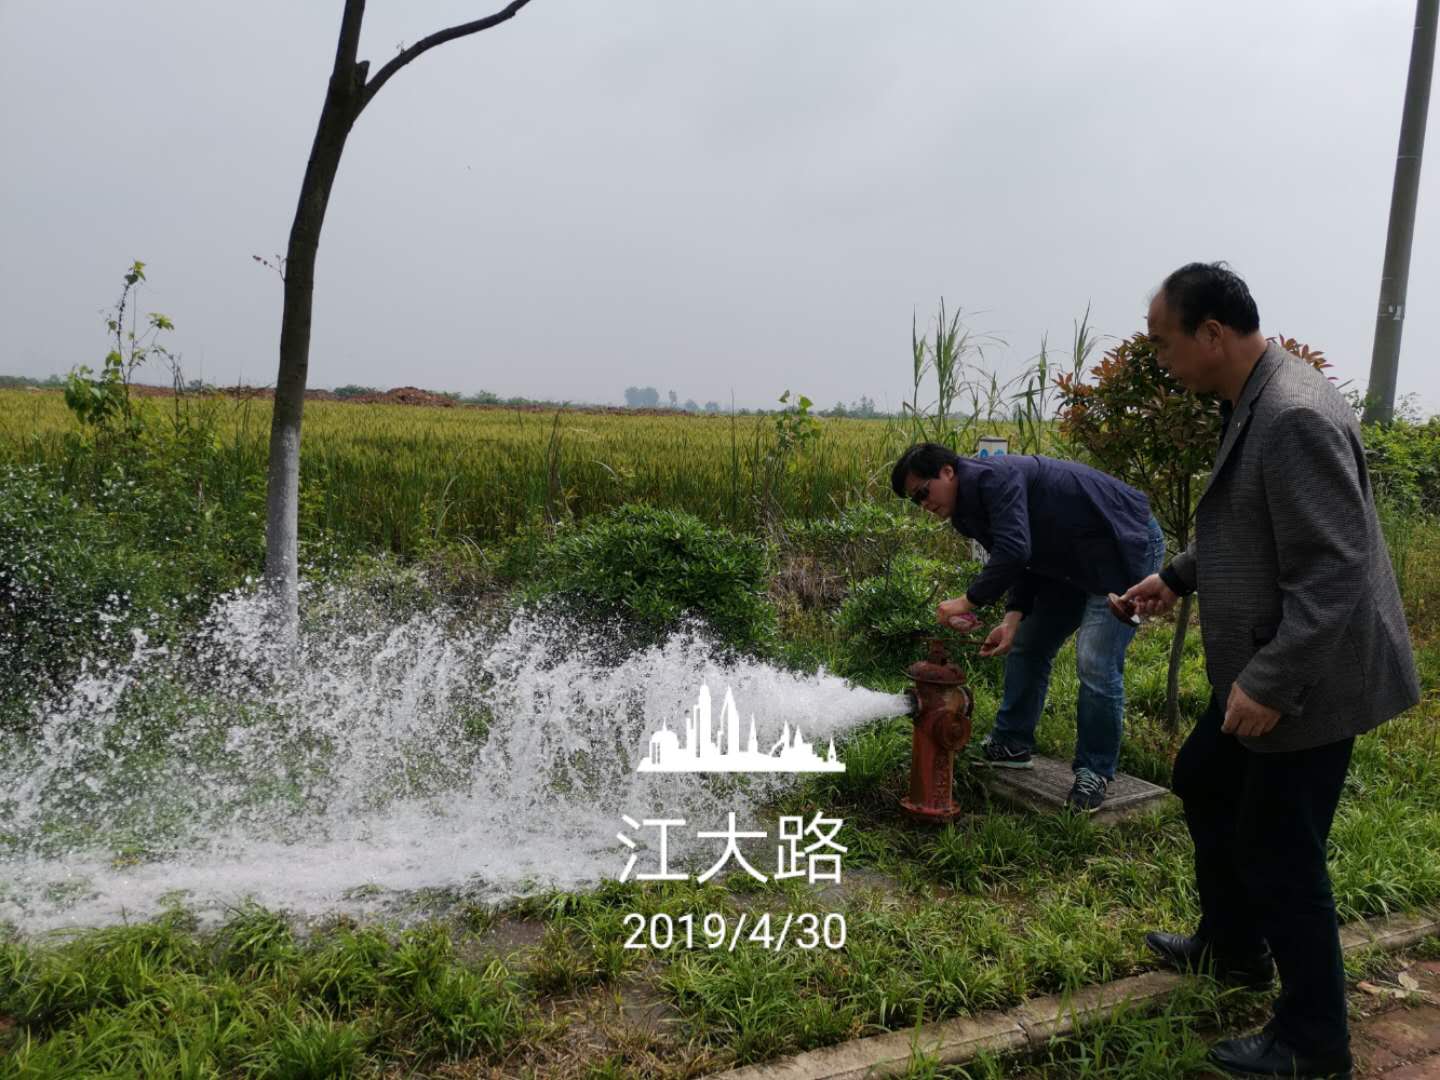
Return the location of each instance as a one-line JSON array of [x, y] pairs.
[[920, 494]]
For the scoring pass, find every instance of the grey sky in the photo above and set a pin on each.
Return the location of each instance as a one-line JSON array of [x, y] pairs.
[[703, 196]]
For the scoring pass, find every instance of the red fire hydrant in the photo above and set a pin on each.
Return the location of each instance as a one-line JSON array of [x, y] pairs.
[[943, 704]]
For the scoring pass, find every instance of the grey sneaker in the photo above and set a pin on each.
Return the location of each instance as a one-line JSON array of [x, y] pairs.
[[1002, 755], [1088, 792]]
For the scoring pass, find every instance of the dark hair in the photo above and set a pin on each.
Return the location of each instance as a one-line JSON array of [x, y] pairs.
[[1200, 291], [925, 460]]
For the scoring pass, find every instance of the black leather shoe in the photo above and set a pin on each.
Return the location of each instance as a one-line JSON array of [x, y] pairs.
[[1266, 1055], [1192, 955]]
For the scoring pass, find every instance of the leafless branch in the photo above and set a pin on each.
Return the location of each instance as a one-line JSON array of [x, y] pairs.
[[278, 265], [438, 38]]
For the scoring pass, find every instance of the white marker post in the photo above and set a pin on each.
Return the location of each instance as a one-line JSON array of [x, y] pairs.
[[989, 446]]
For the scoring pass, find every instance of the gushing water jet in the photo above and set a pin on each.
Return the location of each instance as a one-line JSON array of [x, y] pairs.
[[409, 752]]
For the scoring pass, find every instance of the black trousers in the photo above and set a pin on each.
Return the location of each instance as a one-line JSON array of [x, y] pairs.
[[1260, 823]]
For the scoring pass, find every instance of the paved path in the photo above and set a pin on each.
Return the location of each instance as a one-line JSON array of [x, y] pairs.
[[1399, 1041]]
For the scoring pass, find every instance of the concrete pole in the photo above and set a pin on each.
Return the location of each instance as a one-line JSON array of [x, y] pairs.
[[1390, 318]]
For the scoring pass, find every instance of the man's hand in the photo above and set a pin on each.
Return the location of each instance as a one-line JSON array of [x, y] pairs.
[[1002, 639], [957, 614], [1246, 716], [1151, 596]]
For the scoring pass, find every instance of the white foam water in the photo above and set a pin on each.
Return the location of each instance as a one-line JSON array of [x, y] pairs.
[[377, 758]]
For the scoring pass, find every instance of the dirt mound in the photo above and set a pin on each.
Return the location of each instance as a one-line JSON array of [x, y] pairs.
[[405, 395]]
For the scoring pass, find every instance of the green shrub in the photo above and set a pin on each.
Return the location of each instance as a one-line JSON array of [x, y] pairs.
[[68, 584], [125, 542], [655, 566], [887, 618], [1404, 461], [863, 538]]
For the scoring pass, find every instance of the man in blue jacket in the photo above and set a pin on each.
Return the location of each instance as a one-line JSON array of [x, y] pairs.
[[1060, 537]]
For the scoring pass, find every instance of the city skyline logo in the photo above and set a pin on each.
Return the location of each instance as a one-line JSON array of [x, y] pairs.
[[710, 747]]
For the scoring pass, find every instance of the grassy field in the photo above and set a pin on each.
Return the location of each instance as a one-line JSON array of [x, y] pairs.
[[398, 477], [979, 915]]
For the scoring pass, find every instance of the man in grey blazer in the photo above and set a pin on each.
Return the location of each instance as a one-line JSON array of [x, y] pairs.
[[1306, 647]]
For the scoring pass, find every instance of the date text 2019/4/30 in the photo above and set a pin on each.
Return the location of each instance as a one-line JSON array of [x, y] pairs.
[[805, 930]]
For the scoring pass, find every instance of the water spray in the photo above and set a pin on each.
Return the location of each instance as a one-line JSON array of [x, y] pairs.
[[397, 755]]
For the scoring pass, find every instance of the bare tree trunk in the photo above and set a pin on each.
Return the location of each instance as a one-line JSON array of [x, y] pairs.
[[347, 94], [343, 98], [1177, 650], [1183, 518]]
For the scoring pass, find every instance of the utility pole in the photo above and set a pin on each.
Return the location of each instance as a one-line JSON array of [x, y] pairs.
[[1395, 276]]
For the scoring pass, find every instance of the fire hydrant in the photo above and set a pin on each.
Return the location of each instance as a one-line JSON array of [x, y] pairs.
[[942, 708]]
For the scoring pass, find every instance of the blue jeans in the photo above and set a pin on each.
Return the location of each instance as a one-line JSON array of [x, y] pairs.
[[1100, 643]]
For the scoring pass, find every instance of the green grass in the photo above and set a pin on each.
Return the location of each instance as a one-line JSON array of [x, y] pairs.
[[999, 907], [980, 915], [159, 999], [1004, 906]]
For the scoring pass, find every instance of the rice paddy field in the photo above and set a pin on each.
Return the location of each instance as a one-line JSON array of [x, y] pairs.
[[432, 518], [395, 475]]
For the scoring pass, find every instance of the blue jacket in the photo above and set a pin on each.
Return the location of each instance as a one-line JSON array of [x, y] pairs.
[[1041, 518]]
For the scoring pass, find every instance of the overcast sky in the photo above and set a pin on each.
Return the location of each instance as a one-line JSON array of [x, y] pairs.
[[711, 197]]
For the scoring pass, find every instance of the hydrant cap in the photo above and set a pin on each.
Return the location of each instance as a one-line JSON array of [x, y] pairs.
[[936, 667]]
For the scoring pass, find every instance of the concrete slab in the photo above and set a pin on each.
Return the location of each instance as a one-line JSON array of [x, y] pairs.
[[1392, 932], [950, 1042], [1045, 787], [1045, 1018], [953, 1042], [1034, 1022]]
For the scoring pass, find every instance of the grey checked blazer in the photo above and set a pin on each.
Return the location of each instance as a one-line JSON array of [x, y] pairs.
[[1298, 599]]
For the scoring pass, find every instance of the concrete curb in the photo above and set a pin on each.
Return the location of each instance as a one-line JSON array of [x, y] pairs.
[[1033, 1023], [1389, 932]]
